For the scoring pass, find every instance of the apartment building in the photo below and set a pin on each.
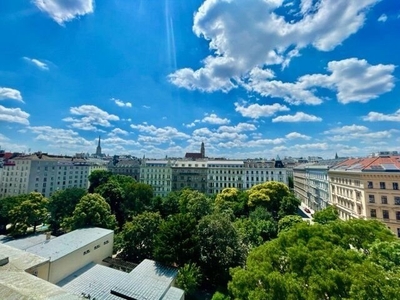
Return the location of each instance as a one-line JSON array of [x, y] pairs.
[[158, 174], [224, 174], [259, 171], [44, 173], [368, 188], [189, 174], [125, 166], [311, 183]]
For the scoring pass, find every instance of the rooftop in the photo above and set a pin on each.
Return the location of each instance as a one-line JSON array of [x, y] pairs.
[[149, 280], [370, 164], [24, 243], [19, 260], [24, 286], [69, 242]]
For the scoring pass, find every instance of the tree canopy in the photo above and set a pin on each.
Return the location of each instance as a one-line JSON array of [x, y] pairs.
[[91, 210], [326, 215], [340, 260]]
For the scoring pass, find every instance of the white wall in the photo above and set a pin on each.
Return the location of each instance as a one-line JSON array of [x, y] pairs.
[[66, 265]]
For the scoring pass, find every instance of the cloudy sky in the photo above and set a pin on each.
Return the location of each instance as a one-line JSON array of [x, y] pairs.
[[250, 78]]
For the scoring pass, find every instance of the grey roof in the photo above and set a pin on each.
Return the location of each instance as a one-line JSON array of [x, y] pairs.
[[69, 242], [24, 243], [24, 286], [149, 280], [19, 260], [94, 280]]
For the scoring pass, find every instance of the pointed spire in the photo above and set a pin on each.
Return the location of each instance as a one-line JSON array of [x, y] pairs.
[[336, 156], [99, 142]]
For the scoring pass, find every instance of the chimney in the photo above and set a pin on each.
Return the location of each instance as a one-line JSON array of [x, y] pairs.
[[48, 235]]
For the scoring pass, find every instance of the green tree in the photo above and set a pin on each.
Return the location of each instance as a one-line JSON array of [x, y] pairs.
[[254, 232], [113, 193], [138, 236], [318, 262], [97, 178], [170, 205], [269, 195], [6, 205], [288, 222], [32, 211], [91, 210], [231, 199], [189, 278], [138, 198], [220, 247], [326, 215], [62, 204], [289, 205], [194, 203], [175, 242]]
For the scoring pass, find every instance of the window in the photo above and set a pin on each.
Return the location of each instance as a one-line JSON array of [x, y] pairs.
[[373, 213], [385, 214], [397, 200], [86, 252], [397, 215], [382, 185], [395, 186], [105, 242], [371, 199], [384, 199], [398, 232], [96, 247], [370, 185]]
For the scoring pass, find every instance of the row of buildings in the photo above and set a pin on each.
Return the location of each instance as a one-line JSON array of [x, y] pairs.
[[46, 174], [363, 188]]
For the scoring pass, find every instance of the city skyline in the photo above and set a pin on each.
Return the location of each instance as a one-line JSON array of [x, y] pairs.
[[248, 78]]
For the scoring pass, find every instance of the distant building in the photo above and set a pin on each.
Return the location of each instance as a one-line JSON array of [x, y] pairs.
[[98, 149], [44, 173], [125, 166], [197, 155], [368, 188]]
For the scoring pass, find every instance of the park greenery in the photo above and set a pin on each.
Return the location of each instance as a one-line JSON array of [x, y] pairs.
[[239, 244]]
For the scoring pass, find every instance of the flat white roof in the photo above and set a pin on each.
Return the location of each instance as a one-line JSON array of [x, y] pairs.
[[69, 242]]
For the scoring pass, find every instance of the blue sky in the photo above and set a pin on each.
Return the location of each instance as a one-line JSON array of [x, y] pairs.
[[254, 78]]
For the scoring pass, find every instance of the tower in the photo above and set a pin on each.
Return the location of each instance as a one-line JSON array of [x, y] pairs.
[[98, 149], [202, 150]]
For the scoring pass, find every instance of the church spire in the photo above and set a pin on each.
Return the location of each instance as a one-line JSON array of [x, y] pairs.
[[202, 150], [98, 149]]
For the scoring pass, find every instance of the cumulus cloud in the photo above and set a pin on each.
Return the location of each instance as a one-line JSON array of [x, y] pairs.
[[118, 131], [8, 93], [214, 119], [296, 135], [63, 11], [383, 18], [157, 135], [37, 63], [121, 103], [353, 80], [354, 132], [376, 116], [297, 117], [256, 111], [90, 116], [14, 115], [241, 127], [247, 34]]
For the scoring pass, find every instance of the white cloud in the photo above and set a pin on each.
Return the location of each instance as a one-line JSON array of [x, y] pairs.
[[13, 115], [158, 135], [39, 64], [117, 131], [146, 106], [90, 117], [376, 116], [383, 18], [354, 80], [8, 93], [238, 128], [63, 11], [296, 135], [298, 117], [247, 34], [121, 103], [348, 129], [3, 138], [190, 125], [256, 111], [214, 119]]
